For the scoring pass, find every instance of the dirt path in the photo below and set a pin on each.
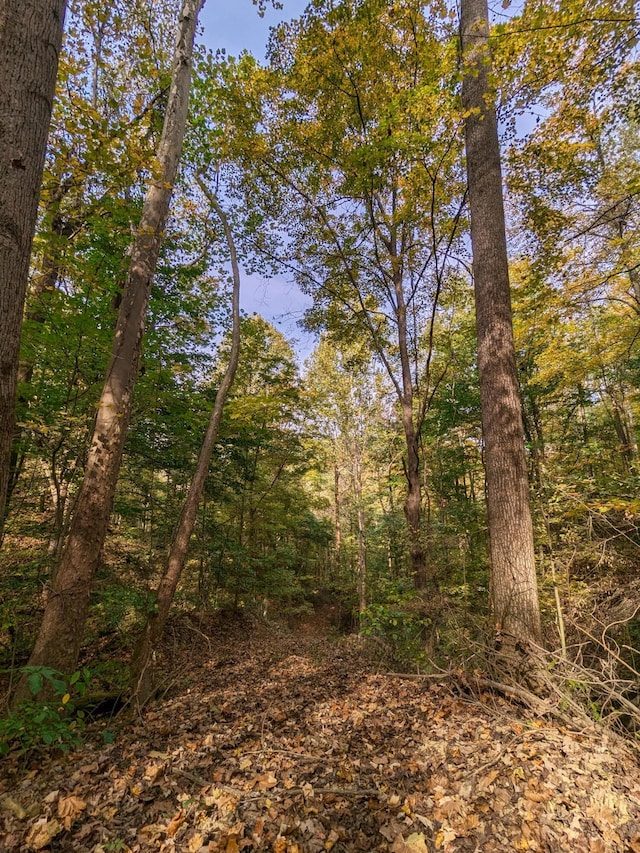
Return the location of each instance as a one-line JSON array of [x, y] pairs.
[[290, 742]]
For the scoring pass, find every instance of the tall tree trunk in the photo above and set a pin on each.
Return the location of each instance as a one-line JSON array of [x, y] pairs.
[[422, 578], [361, 573], [30, 40], [413, 503], [141, 668], [513, 576], [362, 562], [61, 632], [337, 527]]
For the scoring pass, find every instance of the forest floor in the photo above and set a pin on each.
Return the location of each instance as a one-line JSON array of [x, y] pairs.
[[293, 741]]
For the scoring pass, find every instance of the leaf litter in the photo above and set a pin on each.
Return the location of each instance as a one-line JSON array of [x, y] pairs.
[[294, 743]]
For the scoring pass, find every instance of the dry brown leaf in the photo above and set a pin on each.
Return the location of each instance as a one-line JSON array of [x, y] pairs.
[[152, 771], [391, 831], [265, 781], [150, 832], [488, 780], [175, 823], [331, 839], [471, 821], [42, 833], [69, 808], [398, 845], [280, 844], [232, 845]]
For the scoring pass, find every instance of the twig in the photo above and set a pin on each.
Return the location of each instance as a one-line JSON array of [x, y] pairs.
[[192, 627], [436, 676], [290, 753], [609, 650]]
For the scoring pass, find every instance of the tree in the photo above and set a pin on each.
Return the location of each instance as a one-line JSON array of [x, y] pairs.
[[512, 558], [141, 669], [60, 636], [30, 39]]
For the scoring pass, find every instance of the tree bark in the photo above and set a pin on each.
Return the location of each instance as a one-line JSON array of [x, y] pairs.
[[30, 40], [142, 665], [337, 546], [513, 578], [60, 637], [413, 502]]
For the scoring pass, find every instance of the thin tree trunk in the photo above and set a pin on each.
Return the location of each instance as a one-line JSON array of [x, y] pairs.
[[413, 504], [413, 501], [30, 39], [336, 520], [60, 637], [361, 576], [362, 562], [142, 668], [513, 577]]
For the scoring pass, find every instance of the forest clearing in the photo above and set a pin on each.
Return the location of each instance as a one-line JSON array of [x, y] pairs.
[[295, 741], [380, 595]]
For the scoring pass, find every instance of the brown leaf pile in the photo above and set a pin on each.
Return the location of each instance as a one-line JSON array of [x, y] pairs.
[[294, 744]]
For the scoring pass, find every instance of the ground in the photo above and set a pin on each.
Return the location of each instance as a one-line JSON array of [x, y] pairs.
[[294, 741]]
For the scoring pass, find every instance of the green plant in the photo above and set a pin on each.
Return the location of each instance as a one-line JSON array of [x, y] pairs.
[[402, 629], [55, 722], [114, 846]]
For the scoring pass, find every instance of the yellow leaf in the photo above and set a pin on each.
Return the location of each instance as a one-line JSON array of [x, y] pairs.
[[416, 843], [195, 843], [232, 845], [66, 698]]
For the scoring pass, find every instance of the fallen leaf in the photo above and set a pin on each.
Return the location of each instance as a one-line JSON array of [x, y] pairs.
[[69, 808], [42, 833], [150, 832], [488, 780], [265, 781], [416, 843], [11, 805], [195, 843], [331, 839], [232, 845], [398, 845], [175, 823]]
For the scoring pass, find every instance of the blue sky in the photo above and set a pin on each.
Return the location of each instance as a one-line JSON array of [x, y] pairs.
[[236, 26]]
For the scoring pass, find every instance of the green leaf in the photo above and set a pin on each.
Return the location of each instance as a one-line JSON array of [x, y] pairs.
[[35, 683]]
